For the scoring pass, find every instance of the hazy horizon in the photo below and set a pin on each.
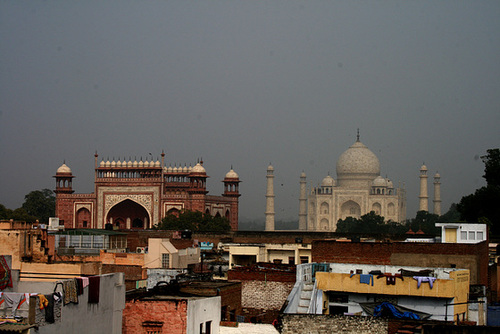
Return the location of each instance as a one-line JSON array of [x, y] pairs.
[[245, 84]]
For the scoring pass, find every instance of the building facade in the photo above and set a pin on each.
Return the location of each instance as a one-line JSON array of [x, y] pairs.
[[137, 195], [358, 190]]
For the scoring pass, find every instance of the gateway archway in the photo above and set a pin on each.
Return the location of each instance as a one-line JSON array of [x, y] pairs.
[[128, 215]]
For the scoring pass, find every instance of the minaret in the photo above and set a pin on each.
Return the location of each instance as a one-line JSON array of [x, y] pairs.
[[423, 189], [303, 203], [270, 199], [437, 194], [231, 191]]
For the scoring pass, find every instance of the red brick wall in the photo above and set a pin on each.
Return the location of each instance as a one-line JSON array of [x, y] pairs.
[[173, 314], [251, 275], [468, 256], [132, 273]]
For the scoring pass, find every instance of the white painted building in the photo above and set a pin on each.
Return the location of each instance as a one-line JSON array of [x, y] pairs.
[[463, 233]]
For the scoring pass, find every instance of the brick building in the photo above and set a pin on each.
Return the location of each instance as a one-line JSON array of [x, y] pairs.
[[264, 289], [171, 314], [230, 293], [434, 255], [137, 195]]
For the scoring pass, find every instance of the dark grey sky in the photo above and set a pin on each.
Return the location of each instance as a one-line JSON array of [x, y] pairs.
[[245, 83]]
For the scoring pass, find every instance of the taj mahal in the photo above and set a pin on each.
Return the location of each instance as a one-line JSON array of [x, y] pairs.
[[357, 190]]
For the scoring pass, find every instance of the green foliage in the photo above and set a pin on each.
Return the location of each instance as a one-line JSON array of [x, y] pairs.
[[195, 221], [483, 204], [371, 223], [426, 222], [452, 215], [40, 204], [492, 167], [4, 212]]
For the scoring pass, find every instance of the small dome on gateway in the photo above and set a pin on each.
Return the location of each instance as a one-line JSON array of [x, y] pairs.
[[64, 169], [232, 174], [198, 168]]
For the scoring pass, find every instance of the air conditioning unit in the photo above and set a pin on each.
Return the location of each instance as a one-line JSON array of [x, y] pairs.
[[141, 250]]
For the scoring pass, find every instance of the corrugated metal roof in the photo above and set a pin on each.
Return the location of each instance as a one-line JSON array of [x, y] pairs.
[[14, 327]]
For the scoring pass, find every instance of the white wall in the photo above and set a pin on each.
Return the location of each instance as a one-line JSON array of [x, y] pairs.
[[200, 311], [466, 233], [103, 317]]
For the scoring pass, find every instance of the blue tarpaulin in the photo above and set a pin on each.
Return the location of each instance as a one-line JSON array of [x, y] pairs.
[[387, 309]]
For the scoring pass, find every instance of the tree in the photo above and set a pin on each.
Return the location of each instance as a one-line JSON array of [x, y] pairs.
[[194, 221], [5, 213], [368, 223], [483, 204], [40, 204], [452, 215], [426, 222], [492, 167]]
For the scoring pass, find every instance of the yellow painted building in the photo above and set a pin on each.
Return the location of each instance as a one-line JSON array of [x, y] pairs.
[[455, 288], [354, 288]]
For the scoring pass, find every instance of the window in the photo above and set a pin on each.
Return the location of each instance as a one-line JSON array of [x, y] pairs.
[[338, 298], [463, 235], [165, 260], [472, 235], [480, 236], [304, 259], [208, 327], [338, 310], [152, 327]]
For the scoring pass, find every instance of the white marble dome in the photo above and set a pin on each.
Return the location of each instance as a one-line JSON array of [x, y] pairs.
[[357, 166], [328, 181], [379, 182]]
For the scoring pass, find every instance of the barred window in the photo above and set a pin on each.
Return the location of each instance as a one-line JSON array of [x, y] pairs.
[[165, 260]]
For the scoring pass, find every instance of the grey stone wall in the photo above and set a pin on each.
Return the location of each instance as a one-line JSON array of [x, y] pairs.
[[264, 295], [310, 323]]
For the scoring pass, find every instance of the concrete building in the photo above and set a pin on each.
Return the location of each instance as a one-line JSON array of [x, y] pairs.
[[96, 308], [473, 257], [463, 233], [264, 289], [248, 254], [346, 288], [138, 194], [161, 253], [358, 189], [171, 314]]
